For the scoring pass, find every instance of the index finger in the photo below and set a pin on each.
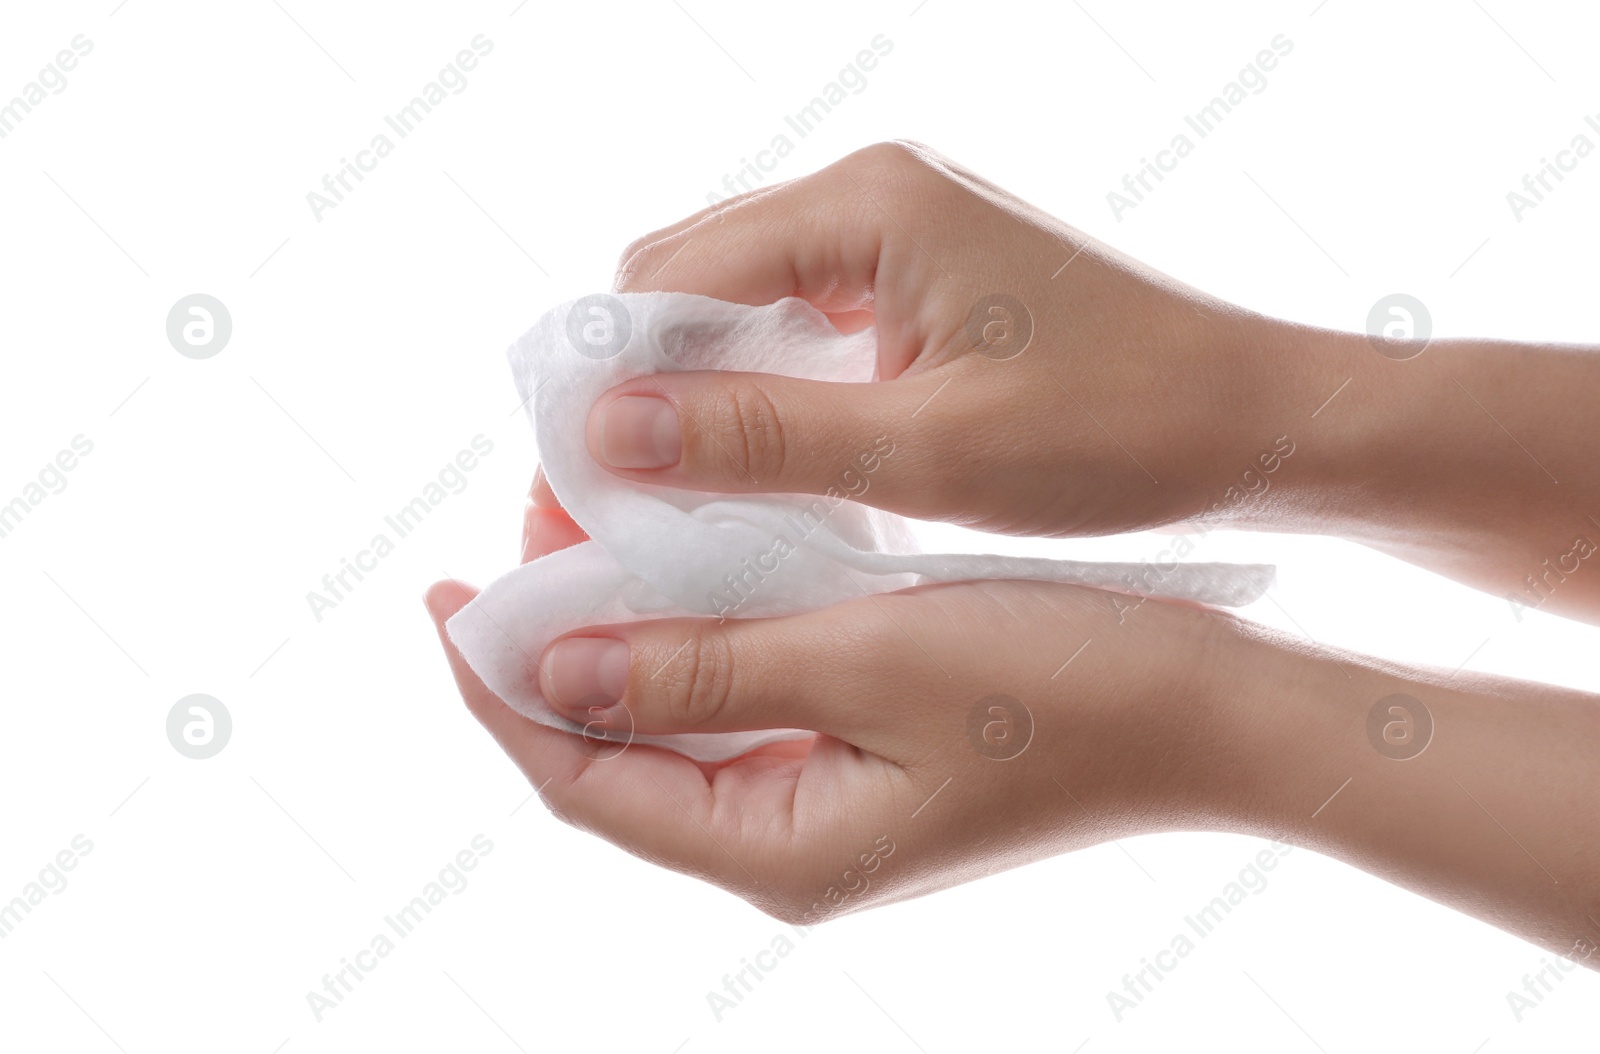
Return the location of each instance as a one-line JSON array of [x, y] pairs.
[[623, 796], [546, 526], [852, 239], [653, 803]]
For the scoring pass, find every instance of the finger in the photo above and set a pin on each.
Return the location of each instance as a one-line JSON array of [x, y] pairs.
[[761, 433], [546, 526], [852, 238], [626, 271], [522, 739], [654, 803], [809, 671], [540, 493], [808, 238], [804, 238]]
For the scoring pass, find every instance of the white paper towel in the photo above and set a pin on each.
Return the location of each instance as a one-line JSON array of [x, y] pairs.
[[658, 552]]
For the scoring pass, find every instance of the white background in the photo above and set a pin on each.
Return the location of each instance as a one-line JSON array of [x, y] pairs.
[[367, 350]]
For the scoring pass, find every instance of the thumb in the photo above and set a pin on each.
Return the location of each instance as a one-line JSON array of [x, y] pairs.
[[761, 433], [824, 671]]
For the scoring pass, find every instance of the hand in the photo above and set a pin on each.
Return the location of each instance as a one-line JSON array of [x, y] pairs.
[[924, 774], [1172, 717], [926, 771], [1105, 397]]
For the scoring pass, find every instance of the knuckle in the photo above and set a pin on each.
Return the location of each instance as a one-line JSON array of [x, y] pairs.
[[895, 154], [894, 163], [633, 262], [561, 813], [787, 909], [562, 810], [696, 685], [899, 175], [748, 432], [786, 896]]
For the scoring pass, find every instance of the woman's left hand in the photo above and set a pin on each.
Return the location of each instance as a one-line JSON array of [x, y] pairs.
[[962, 729]]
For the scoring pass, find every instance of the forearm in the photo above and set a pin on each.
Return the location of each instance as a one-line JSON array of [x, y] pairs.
[[1478, 792], [1475, 459]]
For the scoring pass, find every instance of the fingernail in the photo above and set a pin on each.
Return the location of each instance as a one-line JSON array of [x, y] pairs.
[[581, 673], [640, 431]]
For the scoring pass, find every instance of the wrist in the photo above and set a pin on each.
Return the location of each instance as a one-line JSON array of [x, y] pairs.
[[1308, 432], [1285, 728], [1451, 451], [1273, 445], [1225, 722], [1458, 788]]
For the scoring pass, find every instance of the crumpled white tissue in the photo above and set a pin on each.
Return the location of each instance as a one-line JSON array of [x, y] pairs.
[[658, 552]]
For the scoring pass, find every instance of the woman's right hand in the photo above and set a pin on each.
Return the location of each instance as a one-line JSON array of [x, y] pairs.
[[1032, 380]]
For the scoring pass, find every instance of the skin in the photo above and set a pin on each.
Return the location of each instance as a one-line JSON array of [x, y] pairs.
[[1468, 457]]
